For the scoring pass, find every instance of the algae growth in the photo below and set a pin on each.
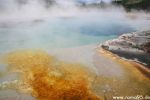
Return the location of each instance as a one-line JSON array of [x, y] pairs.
[[47, 78]]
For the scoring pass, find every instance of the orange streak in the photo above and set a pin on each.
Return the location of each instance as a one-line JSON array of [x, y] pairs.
[[50, 79]]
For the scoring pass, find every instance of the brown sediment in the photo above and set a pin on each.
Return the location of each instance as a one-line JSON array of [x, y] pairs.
[[142, 68], [131, 82], [46, 78], [145, 71]]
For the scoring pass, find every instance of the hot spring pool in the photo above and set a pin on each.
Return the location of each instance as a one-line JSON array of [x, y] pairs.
[[65, 31], [71, 39]]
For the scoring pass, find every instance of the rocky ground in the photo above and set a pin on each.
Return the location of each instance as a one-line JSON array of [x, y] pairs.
[[134, 46]]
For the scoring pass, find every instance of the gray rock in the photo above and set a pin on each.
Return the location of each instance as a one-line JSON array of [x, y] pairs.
[[134, 46], [136, 41]]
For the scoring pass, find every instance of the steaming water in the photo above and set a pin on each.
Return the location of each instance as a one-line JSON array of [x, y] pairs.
[[75, 30], [65, 31]]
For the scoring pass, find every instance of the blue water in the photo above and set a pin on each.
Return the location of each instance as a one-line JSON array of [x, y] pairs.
[[59, 33]]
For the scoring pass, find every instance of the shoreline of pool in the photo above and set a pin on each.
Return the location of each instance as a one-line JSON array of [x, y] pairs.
[[141, 67]]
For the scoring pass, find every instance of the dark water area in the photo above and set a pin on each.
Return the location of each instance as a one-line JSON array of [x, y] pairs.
[[112, 28]]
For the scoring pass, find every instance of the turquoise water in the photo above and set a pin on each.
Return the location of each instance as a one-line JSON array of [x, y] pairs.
[[59, 32]]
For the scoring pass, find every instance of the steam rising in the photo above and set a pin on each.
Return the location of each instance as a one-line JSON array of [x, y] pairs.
[[54, 24], [36, 9], [48, 23]]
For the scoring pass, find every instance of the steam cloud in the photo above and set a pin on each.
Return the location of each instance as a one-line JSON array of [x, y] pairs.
[[40, 5], [36, 9]]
